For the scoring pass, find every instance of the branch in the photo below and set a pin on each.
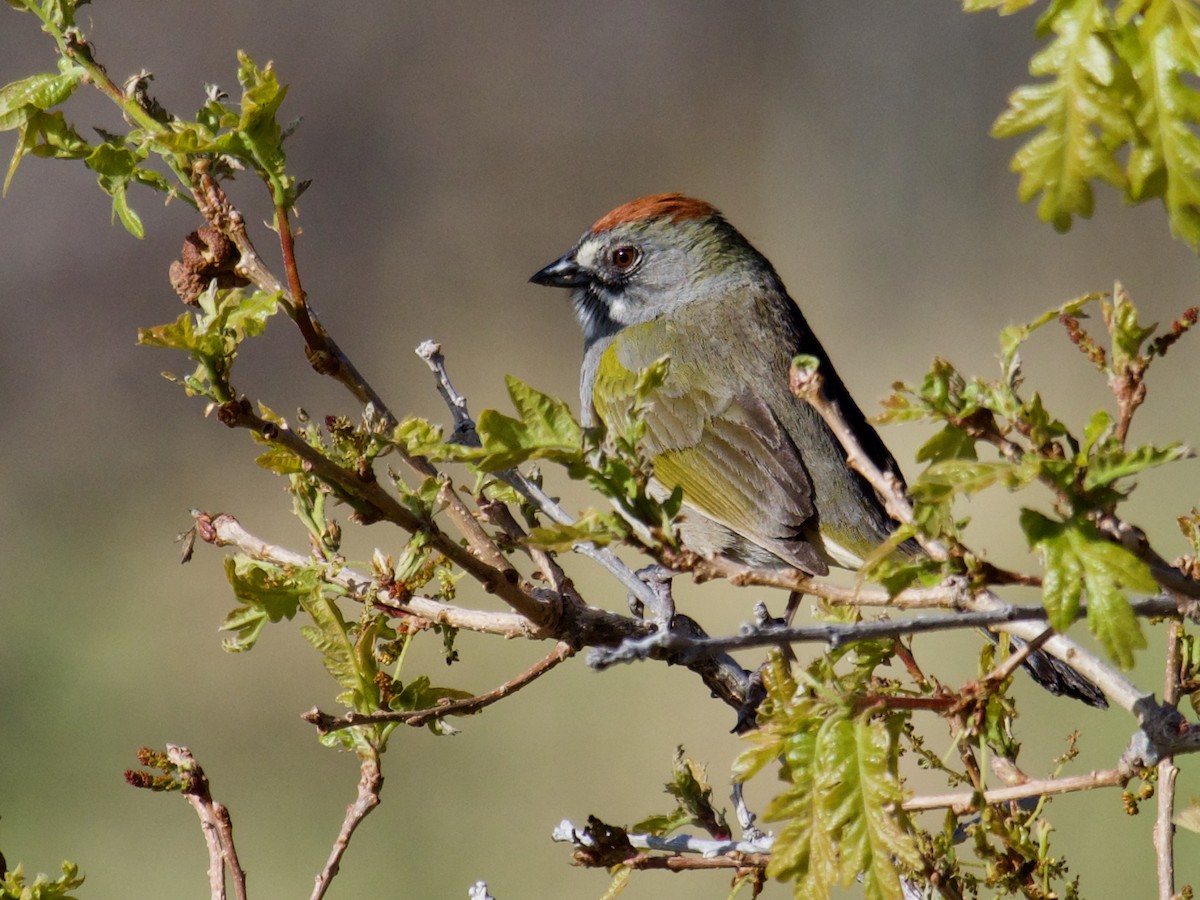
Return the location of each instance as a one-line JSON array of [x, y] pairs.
[[215, 822], [323, 352], [809, 385], [369, 498], [580, 625], [967, 801], [369, 786], [464, 425], [839, 634], [757, 850], [222, 530], [834, 634], [417, 717], [1168, 772]]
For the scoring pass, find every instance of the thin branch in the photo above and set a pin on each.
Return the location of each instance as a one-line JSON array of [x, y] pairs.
[[479, 540], [323, 352], [223, 530], [369, 785], [372, 501], [967, 801], [580, 625], [809, 385], [430, 351], [464, 426], [942, 596], [417, 717], [838, 634], [1168, 772], [1013, 661], [214, 821], [834, 634], [567, 832]]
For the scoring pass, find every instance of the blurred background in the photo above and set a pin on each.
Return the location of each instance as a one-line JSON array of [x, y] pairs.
[[454, 149]]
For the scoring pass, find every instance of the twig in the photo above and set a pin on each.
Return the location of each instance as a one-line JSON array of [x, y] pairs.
[[464, 426], [581, 625], [223, 530], [839, 634], [369, 786], [214, 821], [323, 352], [942, 596], [966, 801], [566, 832], [467, 706], [371, 500], [809, 385], [835, 634], [430, 351], [1013, 661], [479, 540], [1164, 825]]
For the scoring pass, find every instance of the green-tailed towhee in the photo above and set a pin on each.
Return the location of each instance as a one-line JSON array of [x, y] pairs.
[[764, 480]]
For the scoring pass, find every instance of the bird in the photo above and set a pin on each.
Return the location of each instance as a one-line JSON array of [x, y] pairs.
[[764, 480]]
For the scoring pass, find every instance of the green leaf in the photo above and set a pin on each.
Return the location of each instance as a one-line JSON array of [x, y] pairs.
[[546, 429], [1164, 57], [1113, 463], [951, 442], [594, 527], [331, 636], [1128, 334], [1004, 7], [36, 92], [1078, 559], [420, 693], [841, 810], [1012, 337], [419, 437], [45, 134], [262, 95], [1078, 115], [123, 211], [14, 886], [270, 594], [212, 335], [281, 461], [967, 476]]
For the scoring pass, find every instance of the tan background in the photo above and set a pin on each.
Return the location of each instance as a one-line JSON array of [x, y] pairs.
[[455, 148]]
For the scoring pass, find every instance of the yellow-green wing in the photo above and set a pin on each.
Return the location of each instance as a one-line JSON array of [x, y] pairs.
[[736, 464]]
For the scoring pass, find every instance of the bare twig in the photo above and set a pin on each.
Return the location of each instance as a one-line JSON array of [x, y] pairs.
[[215, 822], [966, 801], [369, 785], [417, 717], [839, 634], [809, 385], [224, 530], [1013, 661], [464, 426], [1164, 825], [567, 832], [834, 634], [581, 625], [479, 540]]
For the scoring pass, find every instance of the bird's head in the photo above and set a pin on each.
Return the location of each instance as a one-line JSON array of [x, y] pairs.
[[649, 257]]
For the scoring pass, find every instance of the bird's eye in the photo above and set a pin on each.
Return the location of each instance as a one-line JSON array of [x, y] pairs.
[[624, 258]]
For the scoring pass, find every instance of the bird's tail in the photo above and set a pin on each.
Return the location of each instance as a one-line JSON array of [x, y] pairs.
[[1057, 677]]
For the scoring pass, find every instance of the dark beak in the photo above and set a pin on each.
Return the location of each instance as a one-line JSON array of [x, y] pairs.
[[563, 272]]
